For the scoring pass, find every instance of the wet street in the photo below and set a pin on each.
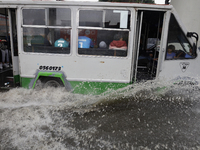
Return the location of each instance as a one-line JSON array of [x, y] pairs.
[[142, 117]]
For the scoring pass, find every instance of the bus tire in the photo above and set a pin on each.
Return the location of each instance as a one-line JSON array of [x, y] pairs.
[[53, 83], [38, 85]]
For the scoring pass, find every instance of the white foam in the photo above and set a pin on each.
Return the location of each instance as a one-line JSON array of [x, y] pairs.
[[31, 119]]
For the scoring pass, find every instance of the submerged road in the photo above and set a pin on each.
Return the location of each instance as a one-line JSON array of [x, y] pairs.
[[140, 117]]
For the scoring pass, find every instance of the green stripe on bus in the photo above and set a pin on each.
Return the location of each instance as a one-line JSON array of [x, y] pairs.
[[25, 82], [83, 87], [49, 74], [95, 88], [17, 79]]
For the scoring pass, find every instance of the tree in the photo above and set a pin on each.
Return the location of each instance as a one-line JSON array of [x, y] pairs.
[[130, 1]]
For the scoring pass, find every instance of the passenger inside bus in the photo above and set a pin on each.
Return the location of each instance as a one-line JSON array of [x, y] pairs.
[[180, 54], [189, 54], [85, 42], [101, 40], [40, 35], [102, 44], [61, 42], [4, 57], [150, 54], [170, 52], [39, 38], [118, 42], [149, 45]]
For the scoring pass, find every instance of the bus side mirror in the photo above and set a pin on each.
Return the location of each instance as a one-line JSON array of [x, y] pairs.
[[194, 50], [195, 35]]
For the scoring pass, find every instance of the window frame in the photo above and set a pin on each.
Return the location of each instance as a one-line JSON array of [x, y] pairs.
[[129, 30], [184, 35], [46, 26]]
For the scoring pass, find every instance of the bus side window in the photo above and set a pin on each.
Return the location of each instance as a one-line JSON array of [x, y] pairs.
[[95, 41], [98, 42], [38, 34], [178, 46]]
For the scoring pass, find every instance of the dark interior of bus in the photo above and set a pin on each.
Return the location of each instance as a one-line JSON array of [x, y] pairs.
[[148, 43], [6, 71]]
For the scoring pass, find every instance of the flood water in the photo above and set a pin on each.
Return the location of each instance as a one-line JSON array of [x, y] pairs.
[[140, 117]]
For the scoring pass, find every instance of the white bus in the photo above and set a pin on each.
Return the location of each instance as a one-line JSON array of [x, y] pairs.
[[92, 47]]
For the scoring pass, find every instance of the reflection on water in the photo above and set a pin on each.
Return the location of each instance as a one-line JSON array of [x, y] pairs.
[[144, 116]]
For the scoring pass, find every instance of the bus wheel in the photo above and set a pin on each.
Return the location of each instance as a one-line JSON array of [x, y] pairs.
[[38, 85], [53, 83]]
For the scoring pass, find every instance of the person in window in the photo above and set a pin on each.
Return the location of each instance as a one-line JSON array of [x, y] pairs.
[[61, 42], [102, 44], [180, 54], [189, 54], [4, 57], [39, 38], [170, 52], [85, 42], [40, 35], [118, 42]]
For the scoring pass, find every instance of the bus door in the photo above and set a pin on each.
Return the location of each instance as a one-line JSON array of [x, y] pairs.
[[149, 28], [14, 45], [137, 45], [6, 73], [9, 70]]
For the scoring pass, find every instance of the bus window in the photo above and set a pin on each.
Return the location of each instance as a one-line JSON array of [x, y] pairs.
[[59, 17], [101, 41], [29, 15], [117, 19], [178, 46], [90, 18], [113, 18], [44, 35]]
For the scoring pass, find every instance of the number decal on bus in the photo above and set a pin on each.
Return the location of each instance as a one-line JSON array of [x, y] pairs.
[[51, 68]]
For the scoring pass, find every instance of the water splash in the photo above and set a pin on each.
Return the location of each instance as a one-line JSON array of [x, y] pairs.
[[149, 115]]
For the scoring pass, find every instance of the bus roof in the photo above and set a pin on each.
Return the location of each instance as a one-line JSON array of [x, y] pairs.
[[86, 3]]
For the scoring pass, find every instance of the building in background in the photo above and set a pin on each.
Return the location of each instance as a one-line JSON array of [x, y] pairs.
[[189, 13]]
